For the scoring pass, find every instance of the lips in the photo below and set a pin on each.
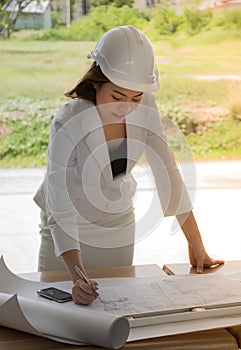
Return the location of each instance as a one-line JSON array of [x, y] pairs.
[[119, 116]]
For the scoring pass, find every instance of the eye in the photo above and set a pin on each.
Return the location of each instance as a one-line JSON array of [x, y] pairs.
[[136, 100], [116, 98]]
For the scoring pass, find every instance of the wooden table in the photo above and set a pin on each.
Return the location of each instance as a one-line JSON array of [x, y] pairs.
[[220, 339], [232, 266]]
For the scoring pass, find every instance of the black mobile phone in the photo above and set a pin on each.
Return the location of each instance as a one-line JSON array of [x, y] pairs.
[[55, 294]]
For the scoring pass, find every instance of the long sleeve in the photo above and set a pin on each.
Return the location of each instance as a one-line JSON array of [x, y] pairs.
[[60, 183], [169, 182]]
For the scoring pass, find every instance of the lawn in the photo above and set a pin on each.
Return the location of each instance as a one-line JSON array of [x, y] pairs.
[[35, 75], [40, 70]]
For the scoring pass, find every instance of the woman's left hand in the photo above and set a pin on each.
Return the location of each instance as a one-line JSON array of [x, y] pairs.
[[200, 259]]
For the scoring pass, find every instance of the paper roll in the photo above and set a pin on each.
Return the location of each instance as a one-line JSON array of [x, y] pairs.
[[70, 326]]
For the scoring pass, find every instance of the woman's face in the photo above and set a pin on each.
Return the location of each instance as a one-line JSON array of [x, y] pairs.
[[115, 103]]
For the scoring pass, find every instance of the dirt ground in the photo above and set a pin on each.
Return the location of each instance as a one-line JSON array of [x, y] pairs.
[[203, 114]]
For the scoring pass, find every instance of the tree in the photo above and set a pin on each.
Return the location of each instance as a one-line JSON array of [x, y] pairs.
[[9, 12]]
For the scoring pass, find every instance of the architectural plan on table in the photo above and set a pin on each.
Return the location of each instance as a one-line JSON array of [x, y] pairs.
[[155, 306]]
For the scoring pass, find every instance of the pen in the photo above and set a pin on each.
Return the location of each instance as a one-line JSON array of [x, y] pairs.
[[82, 276]]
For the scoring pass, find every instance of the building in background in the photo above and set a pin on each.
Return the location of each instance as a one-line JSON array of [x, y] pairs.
[[214, 5], [66, 14], [36, 15]]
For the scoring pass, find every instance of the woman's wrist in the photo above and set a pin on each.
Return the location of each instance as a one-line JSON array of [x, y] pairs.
[[190, 229], [71, 259]]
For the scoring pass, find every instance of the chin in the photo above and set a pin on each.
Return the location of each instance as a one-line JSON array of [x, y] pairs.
[[118, 117]]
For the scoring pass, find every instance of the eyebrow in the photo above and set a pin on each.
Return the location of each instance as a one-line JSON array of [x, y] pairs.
[[121, 93]]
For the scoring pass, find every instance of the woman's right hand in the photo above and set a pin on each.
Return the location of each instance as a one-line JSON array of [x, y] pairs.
[[83, 294]]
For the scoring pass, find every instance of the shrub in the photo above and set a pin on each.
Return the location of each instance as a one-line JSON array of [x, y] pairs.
[[221, 141], [165, 20], [117, 3], [28, 136], [227, 19], [99, 20], [194, 22]]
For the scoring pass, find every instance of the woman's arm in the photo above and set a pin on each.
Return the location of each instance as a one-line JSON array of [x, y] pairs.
[[197, 254], [82, 293]]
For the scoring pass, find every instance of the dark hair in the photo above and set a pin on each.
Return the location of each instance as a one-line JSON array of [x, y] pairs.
[[85, 88]]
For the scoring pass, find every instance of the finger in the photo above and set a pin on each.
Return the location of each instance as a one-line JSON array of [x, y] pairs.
[[81, 297], [84, 299], [217, 262], [214, 262], [94, 285], [199, 267], [80, 284]]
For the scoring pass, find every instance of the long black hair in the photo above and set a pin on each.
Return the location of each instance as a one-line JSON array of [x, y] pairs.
[[85, 88]]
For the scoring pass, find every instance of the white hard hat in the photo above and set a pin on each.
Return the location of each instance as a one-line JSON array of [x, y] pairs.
[[125, 56]]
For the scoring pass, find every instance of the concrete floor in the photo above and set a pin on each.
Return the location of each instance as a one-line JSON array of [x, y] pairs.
[[216, 207]]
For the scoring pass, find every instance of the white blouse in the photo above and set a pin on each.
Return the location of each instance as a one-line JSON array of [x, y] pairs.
[[79, 188]]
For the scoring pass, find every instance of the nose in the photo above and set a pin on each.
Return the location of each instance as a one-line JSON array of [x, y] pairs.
[[125, 107]]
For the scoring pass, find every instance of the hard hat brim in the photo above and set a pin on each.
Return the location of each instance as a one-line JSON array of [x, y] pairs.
[[135, 86]]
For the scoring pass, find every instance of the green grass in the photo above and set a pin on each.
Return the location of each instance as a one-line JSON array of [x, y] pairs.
[[221, 142], [194, 54], [35, 74], [182, 90], [41, 69]]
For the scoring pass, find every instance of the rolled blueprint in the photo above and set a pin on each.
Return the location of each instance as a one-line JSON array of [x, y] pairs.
[[48, 320]]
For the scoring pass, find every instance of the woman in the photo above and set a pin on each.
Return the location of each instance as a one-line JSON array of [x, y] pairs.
[[86, 198]]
